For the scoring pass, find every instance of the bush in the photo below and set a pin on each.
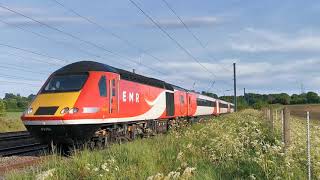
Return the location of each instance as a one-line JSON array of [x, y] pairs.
[[2, 108]]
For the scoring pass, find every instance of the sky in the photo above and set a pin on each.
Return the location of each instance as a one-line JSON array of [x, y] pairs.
[[275, 44]]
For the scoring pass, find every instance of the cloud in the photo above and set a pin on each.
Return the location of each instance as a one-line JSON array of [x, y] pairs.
[[47, 20], [24, 10], [257, 40], [193, 22], [284, 75], [36, 13]]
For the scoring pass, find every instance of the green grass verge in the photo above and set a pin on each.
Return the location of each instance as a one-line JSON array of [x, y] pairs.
[[10, 121], [235, 146]]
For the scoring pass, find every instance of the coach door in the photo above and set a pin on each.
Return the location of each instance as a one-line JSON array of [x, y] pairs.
[[170, 103], [114, 91], [188, 105]]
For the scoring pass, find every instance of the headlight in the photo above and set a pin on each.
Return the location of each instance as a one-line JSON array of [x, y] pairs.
[[73, 110], [29, 111], [64, 110]]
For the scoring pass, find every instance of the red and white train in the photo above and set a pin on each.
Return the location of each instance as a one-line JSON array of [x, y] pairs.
[[88, 100]]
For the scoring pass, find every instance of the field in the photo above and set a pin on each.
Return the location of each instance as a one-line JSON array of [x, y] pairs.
[[235, 146], [300, 110], [11, 122]]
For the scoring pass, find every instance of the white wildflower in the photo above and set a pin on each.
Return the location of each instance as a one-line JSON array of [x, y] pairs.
[[180, 155], [188, 172]]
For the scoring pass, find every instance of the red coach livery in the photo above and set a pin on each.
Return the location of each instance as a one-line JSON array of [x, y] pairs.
[[90, 101]]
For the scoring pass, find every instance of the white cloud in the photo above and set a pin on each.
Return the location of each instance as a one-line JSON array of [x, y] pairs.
[[24, 10], [257, 40], [36, 13], [282, 75], [48, 20], [193, 22]]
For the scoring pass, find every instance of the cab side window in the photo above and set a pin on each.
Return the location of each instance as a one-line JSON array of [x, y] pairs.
[[103, 86]]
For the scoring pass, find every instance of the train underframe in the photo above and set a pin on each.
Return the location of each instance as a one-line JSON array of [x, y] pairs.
[[69, 137]]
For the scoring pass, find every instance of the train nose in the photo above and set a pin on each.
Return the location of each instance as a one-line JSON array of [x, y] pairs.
[[52, 104], [50, 110]]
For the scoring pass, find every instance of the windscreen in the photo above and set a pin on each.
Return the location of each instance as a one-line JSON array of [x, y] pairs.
[[65, 83]]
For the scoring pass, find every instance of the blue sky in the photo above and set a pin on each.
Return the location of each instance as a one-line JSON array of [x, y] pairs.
[[275, 44]]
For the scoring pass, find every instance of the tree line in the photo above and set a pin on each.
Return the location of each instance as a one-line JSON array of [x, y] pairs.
[[257, 101], [14, 102]]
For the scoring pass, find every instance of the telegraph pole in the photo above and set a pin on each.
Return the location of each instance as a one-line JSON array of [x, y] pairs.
[[235, 87]]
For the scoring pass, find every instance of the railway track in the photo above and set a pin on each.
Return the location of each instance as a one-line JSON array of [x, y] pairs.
[[19, 143]]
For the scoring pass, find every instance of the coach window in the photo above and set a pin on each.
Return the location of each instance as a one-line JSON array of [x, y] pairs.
[[181, 99], [103, 86]]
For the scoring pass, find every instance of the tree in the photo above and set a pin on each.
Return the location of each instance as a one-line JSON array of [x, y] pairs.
[[209, 94], [9, 96], [282, 98], [312, 98], [2, 107], [260, 104], [31, 97], [22, 104], [298, 99], [11, 104]]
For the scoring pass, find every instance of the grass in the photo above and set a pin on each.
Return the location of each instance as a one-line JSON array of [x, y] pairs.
[[10, 121], [235, 146]]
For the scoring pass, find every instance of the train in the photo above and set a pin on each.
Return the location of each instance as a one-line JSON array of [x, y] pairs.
[[88, 101]]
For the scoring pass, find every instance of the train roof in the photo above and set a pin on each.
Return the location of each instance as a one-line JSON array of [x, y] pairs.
[[86, 66]]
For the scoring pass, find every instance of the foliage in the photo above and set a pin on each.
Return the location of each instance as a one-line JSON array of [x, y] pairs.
[[312, 98], [258, 101], [16, 102], [209, 94], [2, 108], [235, 146]]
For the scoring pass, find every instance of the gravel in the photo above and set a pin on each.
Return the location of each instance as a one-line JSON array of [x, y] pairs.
[[16, 162]]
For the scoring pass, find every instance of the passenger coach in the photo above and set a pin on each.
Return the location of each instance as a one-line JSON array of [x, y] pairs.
[[90, 101]]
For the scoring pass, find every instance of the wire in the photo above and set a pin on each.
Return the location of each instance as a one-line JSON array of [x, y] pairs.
[[170, 37], [17, 77], [56, 41], [127, 42], [211, 85], [21, 69], [18, 82], [32, 59], [189, 30], [173, 39], [32, 52], [77, 38]]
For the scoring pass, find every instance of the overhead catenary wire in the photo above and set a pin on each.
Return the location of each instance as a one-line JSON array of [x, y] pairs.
[[127, 42], [173, 39], [31, 58], [57, 41], [20, 82], [18, 77], [169, 36], [32, 52], [78, 38], [19, 68], [189, 30]]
